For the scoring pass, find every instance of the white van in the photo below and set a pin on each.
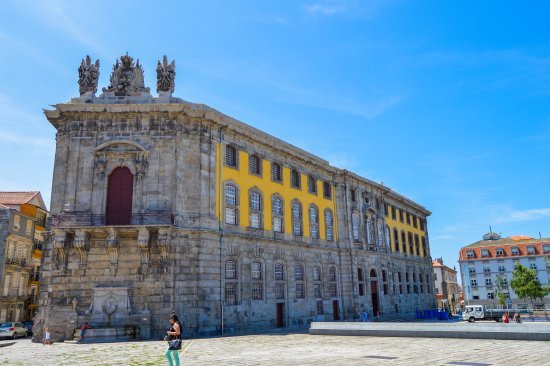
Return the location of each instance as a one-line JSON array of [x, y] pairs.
[[479, 312]]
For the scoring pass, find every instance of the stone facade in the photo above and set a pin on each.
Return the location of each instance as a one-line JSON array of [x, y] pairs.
[[176, 251]]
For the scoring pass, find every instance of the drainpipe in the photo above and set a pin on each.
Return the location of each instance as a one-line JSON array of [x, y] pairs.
[[220, 226]]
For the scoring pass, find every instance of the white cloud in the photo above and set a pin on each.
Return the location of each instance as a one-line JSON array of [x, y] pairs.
[[325, 8], [522, 215]]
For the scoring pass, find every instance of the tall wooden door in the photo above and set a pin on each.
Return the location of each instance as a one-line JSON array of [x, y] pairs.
[[119, 197], [374, 297], [335, 310], [280, 315]]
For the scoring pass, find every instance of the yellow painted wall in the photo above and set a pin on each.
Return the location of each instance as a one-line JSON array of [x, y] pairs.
[[245, 181], [405, 227]]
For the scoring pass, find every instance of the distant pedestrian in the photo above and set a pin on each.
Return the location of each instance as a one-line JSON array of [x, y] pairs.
[[174, 341], [46, 338], [364, 316], [506, 318], [83, 330], [517, 318]]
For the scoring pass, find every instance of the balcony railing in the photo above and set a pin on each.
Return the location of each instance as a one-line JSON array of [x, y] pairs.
[[23, 262], [86, 219]]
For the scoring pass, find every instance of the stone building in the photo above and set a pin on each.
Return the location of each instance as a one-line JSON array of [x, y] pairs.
[[446, 286], [159, 204], [22, 222]]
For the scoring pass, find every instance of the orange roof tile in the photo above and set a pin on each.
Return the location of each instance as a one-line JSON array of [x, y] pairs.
[[16, 198]]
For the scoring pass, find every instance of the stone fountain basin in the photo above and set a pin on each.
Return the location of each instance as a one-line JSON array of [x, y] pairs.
[[109, 334]]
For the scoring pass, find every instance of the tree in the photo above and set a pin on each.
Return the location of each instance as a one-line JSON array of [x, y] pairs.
[[500, 285], [525, 284]]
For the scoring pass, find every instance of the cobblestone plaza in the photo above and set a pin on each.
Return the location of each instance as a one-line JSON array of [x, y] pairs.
[[287, 349]]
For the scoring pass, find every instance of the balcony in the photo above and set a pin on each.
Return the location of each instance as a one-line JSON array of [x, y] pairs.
[[14, 293], [37, 245], [23, 262], [86, 219]]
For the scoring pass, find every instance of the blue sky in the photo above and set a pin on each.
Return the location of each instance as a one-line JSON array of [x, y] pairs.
[[447, 102]]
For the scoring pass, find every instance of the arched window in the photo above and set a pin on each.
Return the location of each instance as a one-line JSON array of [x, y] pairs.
[[295, 178], [276, 172], [313, 222], [255, 164], [277, 211], [355, 225], [332, 273], [311, 184], [296, 218], [255, 209], [372, 273], [316, 273], [230, 270], [257, 283], [327, 190], [230, 156], [120, 188], [279, 272], [231, 204], [256, 271], [329, 225]]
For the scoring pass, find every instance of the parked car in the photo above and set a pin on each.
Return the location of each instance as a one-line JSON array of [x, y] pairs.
[[28, 325], [13, 330], [479, 312]]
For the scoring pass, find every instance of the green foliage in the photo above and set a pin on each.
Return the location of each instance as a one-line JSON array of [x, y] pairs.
[[525, 284], [499, 290]]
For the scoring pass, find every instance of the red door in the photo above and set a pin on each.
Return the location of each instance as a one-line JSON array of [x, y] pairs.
[[119, 197]]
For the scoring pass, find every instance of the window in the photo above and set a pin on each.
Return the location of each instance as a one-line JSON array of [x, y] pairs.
[[255, 165], [327, 190], [396, 239], [530, 249], [332, 273], [277, 209], [401, 216], [313, 222], [353, 195], [316, 273], [257, 291], [230, 156], [329, 230], [300, 291], [231, 204], [473, 283], [276, 172], [369, 232], [424, 247], [333, 290], [546, 248], [484, 252], [387, 235], [296, 218], [532, 266], [415, 221], [279, 291], [295, 178], [422, 223], [386, 210], [385, 282], [410, 237], [470, 253], [231, 293], [299, 272], [361, 280], [231, 270], [488, 282], [320, 310], [28, 229], [500, 252], [355, 225], [417, 244], [255, 210], [311, 184], [515, 251], [256, 271], [279, 272], [16, 222], [408, 218], [501, 268], [404, 242], [487, 269], [393, 213], [490, 295], [317, 291]]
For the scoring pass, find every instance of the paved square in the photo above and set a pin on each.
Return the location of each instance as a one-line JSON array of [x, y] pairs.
[[287, 349]]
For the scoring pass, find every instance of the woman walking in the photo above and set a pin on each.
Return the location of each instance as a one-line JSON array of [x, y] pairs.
[[174, 341]]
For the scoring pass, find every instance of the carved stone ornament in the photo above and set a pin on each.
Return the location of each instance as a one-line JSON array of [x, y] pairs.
[[59, 244], [88, 75], [143, 244], [81, 243], [166, 75], [127, 78], [112, 245]]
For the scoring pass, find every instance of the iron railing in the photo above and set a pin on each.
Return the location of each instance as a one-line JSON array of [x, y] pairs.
[[86, 219]]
